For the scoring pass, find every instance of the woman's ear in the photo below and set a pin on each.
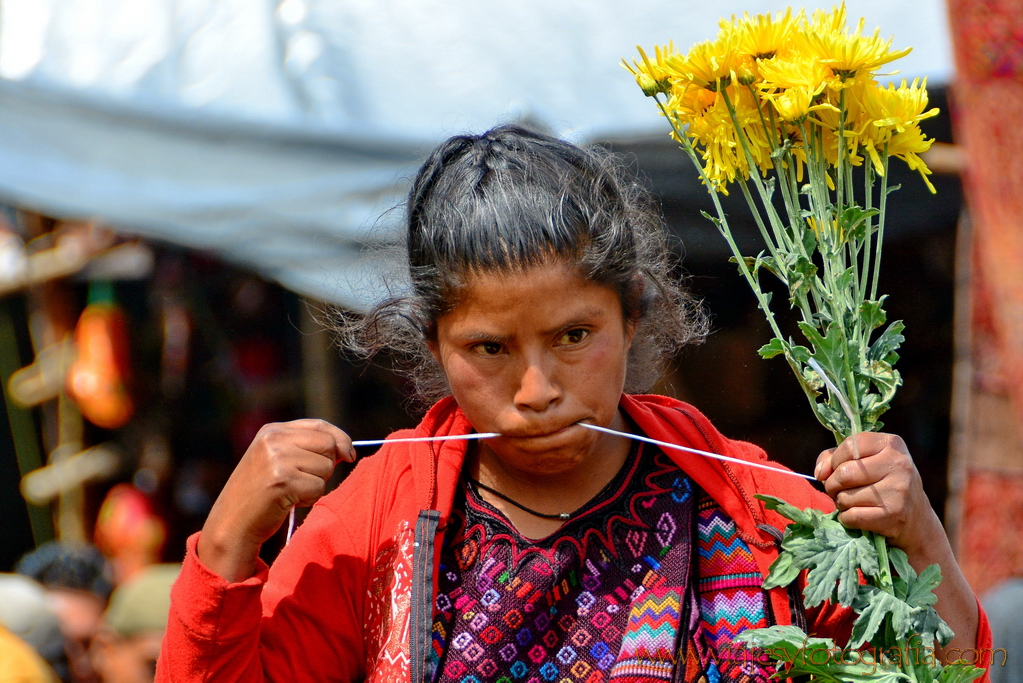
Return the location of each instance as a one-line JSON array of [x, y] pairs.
[[637, 303]]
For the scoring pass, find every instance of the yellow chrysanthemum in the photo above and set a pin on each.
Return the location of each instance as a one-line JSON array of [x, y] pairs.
[[898, 108], [709, 126], [908, 145], [890, 116], [847, 54], [827, 120], [653, 77], [761, 36], [792, 83], [710, 64]]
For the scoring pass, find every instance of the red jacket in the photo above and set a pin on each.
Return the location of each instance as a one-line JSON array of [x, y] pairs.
[[351, 597]]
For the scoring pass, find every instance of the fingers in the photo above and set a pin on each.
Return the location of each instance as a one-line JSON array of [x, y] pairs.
[[863, 445], [297, 458], [880, 490], [315, 436]]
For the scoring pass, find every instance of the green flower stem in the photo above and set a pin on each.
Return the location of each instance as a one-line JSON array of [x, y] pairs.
[[771, 247], [754, 173], [723, 227], [883, 204], [868, 201]]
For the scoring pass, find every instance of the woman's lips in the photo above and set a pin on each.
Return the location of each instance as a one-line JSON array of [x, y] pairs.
[[540, 434]]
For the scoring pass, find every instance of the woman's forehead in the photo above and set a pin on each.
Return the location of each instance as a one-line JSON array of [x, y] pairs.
[[552, 295]]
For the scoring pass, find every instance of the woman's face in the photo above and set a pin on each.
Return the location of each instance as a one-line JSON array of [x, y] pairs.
[[531, 353]]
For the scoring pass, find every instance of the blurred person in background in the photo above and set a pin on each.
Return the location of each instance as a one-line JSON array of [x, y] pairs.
[[19, 663], [128, 642], [1004, 604], [78, 586], [31, 644]]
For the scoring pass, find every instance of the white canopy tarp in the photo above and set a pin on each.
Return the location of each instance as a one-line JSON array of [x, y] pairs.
[[277, 134]]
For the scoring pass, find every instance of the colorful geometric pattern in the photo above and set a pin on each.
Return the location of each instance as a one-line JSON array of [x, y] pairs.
[[607, 597], [729, 586], [648, 646]]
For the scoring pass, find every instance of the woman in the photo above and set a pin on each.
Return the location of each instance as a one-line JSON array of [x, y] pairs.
[[541, 299]]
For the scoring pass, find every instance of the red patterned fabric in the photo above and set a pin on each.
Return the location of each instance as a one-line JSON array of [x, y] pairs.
[[988, 94]]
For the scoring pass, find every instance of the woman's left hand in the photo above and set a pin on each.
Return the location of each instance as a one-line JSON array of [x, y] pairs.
[[881, 491]]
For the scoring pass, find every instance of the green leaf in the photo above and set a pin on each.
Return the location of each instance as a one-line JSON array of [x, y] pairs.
[[845, 284], [921, 590], [853, 221], [829, 349], [835, 555], [817, 657], [873, 606], [872, 316], [900, 561], [783, 572], [773, 348], [786, 510], [800, 353], [959, 673], [800, 277], [883, 349], [809, 240], [931, 627]]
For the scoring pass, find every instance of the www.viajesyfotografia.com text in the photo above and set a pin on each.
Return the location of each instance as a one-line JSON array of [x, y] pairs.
[[873, 657]]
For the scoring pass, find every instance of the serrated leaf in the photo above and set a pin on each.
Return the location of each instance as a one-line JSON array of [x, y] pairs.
[[921, 590], [771, 349], [900, 561], [872, 315], [800, 276], [802, 655], [809, 239], [835, 554], [853, 221], [873, 606], [885, 345], [931, 627]]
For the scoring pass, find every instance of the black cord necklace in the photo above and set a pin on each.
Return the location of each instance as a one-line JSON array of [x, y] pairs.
[[561, 516]]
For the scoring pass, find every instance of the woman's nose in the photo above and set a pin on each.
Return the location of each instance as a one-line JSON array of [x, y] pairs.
[[538, 389]]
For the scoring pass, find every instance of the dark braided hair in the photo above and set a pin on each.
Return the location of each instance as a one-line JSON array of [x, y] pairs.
[[511, 199]]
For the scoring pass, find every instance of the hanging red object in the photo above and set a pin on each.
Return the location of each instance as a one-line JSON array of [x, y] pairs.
[[98, 378]]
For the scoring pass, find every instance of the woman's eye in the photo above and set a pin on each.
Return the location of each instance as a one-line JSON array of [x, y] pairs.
[[487, 348], [574, 336]]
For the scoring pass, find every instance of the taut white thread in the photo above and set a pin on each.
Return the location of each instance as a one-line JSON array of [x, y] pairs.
[[706, 454], [381, 442]]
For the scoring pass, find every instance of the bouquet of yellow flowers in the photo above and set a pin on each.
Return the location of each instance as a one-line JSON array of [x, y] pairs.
[[788, 108]]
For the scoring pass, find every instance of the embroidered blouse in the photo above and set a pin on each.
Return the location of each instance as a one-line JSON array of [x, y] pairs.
[[648, 582]]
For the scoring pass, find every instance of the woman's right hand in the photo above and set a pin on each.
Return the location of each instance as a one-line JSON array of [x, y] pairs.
[[286, 465]]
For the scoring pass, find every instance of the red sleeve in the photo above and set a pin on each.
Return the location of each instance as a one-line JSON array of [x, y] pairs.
[[213, 627], [298, 621], [985, 643]]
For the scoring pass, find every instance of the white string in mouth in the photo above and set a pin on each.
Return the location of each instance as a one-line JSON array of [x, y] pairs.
[[381, 442], [587, 425], [697, 451]]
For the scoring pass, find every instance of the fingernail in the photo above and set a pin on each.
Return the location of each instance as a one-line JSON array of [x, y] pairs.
[[817, 471], [351, 454]]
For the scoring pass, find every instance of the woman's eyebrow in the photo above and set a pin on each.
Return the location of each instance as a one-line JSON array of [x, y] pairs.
[[584, 317]]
